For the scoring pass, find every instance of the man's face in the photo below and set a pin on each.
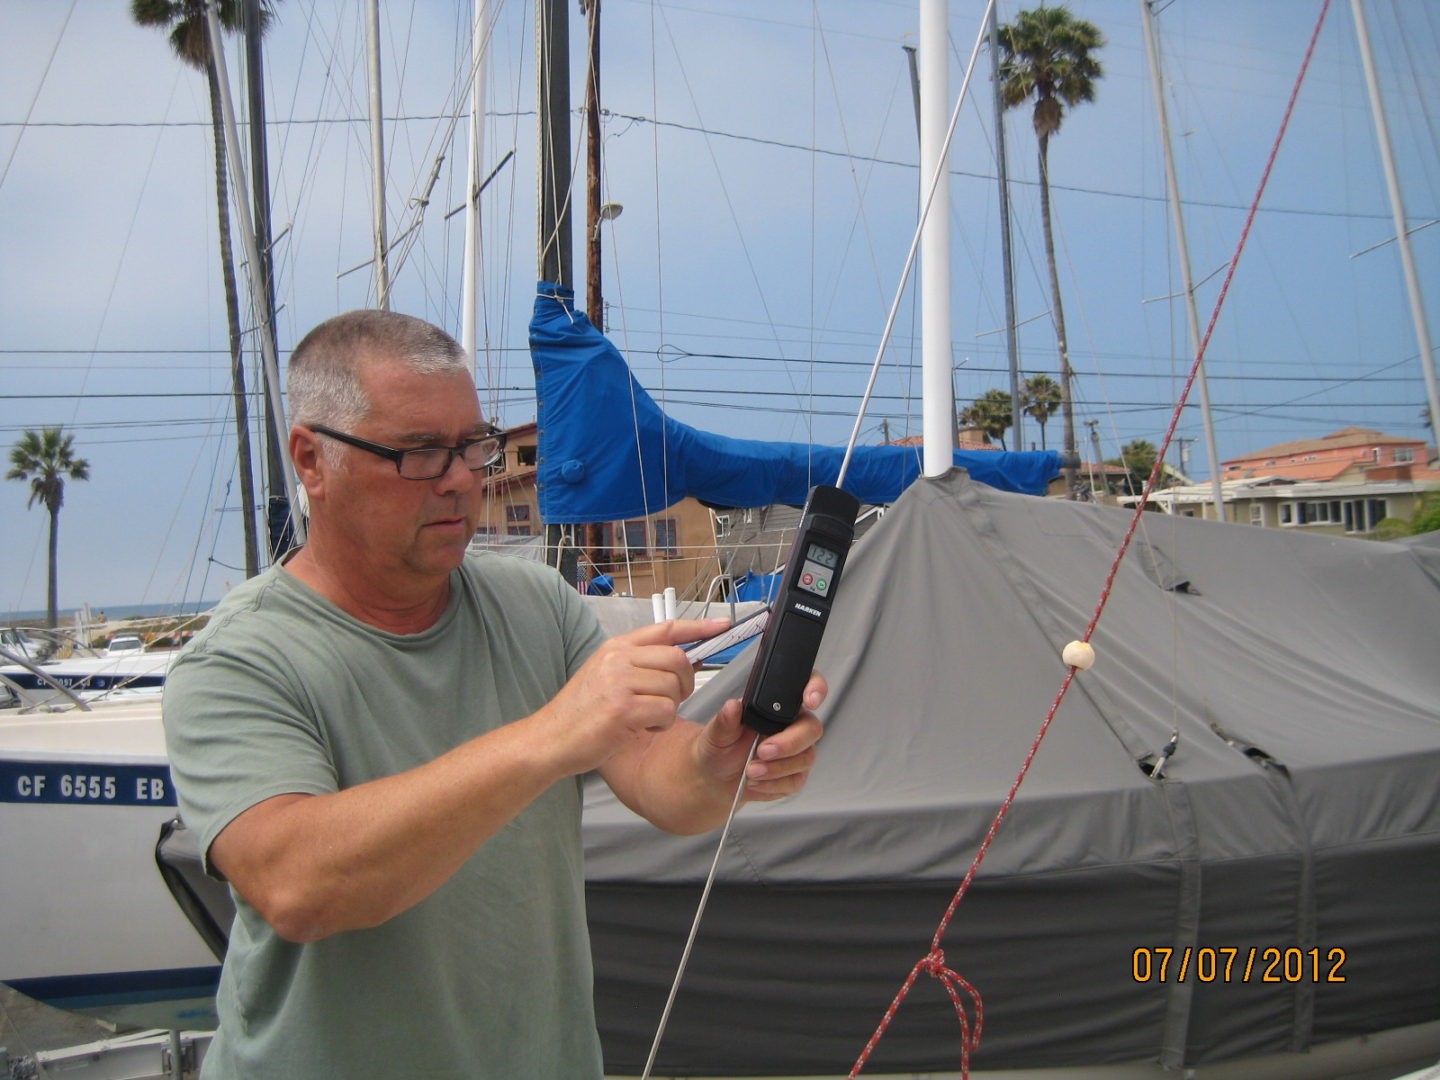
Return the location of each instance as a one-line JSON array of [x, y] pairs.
[[417, 529]]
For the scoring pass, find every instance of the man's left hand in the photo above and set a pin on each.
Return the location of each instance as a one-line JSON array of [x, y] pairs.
[[782, 761]]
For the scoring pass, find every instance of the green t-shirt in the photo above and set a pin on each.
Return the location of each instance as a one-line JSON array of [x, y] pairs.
[[490, 976]]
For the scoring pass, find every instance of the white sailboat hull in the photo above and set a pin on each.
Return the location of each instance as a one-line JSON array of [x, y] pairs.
[[91, 924]]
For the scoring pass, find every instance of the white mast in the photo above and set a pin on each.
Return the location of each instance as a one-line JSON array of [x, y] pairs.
[[1177, 215], [252, 254], [1397, 209], [938, 413], [468, 331], [377, 159]]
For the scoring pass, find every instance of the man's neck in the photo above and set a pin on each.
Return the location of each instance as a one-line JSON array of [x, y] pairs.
[[413, 611]]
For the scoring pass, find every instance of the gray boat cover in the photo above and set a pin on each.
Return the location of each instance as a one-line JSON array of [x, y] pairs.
[[1297, 823]]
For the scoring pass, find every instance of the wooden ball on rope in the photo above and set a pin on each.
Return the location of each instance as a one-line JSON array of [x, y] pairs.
[[1078, 654]]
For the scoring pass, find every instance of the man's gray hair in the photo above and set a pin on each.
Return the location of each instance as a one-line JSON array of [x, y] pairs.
[[323, 381]]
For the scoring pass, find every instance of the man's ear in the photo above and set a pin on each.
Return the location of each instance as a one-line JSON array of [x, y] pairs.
[[310, 465]]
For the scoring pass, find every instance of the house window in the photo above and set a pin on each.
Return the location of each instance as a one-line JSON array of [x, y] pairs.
[[525, 455], [1257, 513], [1354, 515], [485, 530], [635, 536], [1404, 455], [517, 513], [517, 530], [667, 540], [1362, 515]]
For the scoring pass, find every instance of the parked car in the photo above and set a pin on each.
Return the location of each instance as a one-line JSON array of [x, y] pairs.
[[124, 645]]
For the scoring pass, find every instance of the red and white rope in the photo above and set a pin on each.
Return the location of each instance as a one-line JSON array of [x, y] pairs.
[[933, 963]]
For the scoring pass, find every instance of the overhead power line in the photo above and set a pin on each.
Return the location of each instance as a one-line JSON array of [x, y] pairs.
[[698, 129]]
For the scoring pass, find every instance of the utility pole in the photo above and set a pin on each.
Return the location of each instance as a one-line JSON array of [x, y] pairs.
[[1094, 426], [1184, 441], [594, 301]]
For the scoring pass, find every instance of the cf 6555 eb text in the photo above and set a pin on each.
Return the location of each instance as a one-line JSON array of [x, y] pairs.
[[1237, 964]]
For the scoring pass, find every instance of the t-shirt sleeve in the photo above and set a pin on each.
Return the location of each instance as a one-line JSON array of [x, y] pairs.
[[237, 736], [583, 634]]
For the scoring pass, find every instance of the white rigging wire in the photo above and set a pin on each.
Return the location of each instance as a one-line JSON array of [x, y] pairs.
[[699, 912], [39, 86]]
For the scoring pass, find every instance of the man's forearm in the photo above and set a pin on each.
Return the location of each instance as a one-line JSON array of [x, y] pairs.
[[316, 865], [666, 781]]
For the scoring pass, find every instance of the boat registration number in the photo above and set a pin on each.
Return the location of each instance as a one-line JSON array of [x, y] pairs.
[[94, 784]]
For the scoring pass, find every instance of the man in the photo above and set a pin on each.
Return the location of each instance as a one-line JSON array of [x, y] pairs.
[[380, 745]]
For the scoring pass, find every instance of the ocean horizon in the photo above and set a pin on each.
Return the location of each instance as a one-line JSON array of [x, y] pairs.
[[113, 613]]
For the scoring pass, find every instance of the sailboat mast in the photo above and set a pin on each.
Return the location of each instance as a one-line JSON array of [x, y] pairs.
[[252, 255], [1177, 215], [1002, 174], [377, 158], [1397, 209], [260, 196], [938, 412], [552, 37], [469, 332]]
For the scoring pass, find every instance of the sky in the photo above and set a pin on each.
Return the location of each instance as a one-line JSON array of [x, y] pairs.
[[766, 159]]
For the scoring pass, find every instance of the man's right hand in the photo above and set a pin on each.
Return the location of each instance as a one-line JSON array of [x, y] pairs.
[[631, 685]]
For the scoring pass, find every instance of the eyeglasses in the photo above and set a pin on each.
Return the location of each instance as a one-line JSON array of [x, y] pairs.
[[428, 462]]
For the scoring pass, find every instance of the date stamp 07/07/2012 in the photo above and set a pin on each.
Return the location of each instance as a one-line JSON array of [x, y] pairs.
[[1237, 964]]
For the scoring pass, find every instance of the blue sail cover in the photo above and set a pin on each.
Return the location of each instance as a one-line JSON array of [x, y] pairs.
[[607, 451]]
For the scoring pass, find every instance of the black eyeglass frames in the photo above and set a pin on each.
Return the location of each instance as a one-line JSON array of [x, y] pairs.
[[428, 462]]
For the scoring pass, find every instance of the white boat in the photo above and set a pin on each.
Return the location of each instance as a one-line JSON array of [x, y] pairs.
[[92, 927], [86, 678]]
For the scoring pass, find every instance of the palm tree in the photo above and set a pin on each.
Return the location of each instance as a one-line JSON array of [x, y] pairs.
[[1040, 396], [1045, 55], [45, 458], [991, 414], [1138, 459], [190, 41]]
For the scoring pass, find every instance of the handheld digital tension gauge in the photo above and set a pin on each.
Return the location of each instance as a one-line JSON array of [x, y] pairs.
[[807, 590]]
